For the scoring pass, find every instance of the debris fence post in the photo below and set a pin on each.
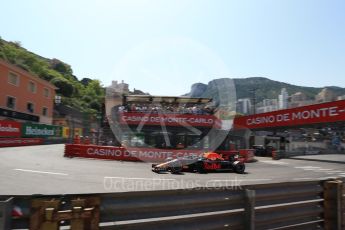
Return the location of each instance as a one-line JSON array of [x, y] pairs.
[[249, 209], [333, 204], [5, 214]]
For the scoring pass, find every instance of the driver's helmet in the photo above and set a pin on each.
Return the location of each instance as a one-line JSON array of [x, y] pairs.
[[168, 159], [212, 156]]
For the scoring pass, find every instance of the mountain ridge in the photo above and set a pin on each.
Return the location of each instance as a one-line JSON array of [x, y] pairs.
[[264, 87]]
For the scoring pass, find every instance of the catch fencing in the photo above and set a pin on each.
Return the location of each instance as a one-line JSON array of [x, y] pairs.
[[288, 205]]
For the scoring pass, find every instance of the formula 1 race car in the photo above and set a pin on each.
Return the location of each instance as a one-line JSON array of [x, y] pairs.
[[209, 162]]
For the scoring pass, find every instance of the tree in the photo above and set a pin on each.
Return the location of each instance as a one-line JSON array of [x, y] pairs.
[[85, 81], [17, 44], [95, 105], [46, 76], [87, 98], [65, 88], [94, 89], [61, 67]]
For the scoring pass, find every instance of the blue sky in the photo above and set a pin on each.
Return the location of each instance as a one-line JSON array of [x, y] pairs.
[[162, 47]]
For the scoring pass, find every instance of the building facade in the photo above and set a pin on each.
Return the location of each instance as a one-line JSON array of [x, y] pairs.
[[341, 98], [266, 109], [283, 99], [244, 106], [25, 97], [326, 95], [120, 87], [267, 105], [299, 99]]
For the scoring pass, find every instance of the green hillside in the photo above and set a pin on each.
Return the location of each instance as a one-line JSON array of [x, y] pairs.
[[86, 95]]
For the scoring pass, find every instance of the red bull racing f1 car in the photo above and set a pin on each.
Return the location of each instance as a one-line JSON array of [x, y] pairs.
[[209, 162]]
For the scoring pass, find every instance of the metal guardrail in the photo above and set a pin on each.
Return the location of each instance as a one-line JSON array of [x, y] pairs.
[[5, 213], [290, 205]]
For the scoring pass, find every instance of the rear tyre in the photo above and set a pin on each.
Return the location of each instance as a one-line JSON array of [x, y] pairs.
[[239, 168], [199, 168]]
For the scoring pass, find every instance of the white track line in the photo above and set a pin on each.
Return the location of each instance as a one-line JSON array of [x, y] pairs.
[[303, 178], [311, 170], [42, 172], [275, 162], [319, 170], [326, 178], [335, 172], [135, 178], [307, 167], [239, 179], [139, 178]]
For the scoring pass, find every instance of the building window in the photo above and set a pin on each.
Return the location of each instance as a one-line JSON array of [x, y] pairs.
[[30, 107], [46, 92], [11, 102], [45, 111], [32, 87], [13, 79]]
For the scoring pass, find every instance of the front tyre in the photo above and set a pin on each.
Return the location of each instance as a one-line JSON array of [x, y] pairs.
[[155, 170], [176, 170]]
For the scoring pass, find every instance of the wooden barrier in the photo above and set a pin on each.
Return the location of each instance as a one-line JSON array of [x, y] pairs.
[[47, 214]]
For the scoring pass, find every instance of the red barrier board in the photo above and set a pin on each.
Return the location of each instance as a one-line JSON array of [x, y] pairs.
[[130, 154], [248, 154], [9, 142], [130, 118], [312, 114], [10, 129]]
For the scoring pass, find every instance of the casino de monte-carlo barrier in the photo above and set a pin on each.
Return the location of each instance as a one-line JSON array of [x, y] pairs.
[[318, 128], [14, 133]]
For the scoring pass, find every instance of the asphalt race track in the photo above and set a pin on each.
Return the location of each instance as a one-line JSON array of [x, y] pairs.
[[43, 170]]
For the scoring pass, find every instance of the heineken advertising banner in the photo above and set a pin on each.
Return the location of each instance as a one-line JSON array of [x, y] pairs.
[[40, 130]]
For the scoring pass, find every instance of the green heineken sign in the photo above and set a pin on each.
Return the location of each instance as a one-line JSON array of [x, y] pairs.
[[40, 130]]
